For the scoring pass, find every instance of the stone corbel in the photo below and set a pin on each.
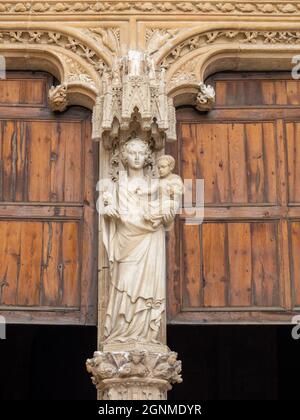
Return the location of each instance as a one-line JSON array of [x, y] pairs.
[[58, 100], [205, 99], [185, 89]]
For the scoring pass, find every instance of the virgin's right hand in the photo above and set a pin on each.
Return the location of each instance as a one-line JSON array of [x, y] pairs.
[[111, 211]]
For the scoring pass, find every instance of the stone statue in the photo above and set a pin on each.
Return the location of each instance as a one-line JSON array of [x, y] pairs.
[[134, 236], [169, 192]]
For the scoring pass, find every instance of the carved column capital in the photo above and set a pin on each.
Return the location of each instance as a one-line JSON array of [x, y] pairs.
[[136, 374]]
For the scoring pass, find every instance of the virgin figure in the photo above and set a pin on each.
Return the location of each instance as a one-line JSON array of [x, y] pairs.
[[136, 251]]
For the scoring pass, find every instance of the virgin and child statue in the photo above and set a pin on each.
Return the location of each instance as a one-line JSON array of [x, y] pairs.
[[137, 209]]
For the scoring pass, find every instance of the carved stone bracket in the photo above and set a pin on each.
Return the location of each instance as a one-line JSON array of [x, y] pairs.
[[136, 374], [58, 98], [187, 90], [205, 98], [134, 102]]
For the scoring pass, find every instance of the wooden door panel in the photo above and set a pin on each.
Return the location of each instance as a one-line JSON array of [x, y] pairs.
[[231, 265], [25, 91], [256, 91], [236, 160], [48, 218], [41, 161], [39, 263], [242, 263]]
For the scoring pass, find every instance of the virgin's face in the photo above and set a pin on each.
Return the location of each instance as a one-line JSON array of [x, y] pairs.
[[136, 154]]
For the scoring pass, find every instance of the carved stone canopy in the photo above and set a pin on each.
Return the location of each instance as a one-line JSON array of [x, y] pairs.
[[134, 102]]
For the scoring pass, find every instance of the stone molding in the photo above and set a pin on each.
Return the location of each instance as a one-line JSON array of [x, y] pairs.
[[264, 8]]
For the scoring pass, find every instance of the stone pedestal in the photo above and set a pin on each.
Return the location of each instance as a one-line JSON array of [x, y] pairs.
[[134, 374]]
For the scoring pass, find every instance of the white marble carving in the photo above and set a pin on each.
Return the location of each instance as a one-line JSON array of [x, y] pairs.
[[134, 92], [136, 210]]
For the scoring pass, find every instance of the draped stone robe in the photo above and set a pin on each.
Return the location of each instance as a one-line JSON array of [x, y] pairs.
[[136, 252]]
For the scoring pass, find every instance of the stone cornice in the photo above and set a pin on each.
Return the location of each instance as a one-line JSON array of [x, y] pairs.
[[35, 8]]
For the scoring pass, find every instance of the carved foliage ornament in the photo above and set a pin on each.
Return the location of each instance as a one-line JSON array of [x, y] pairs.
[[243, 37], [136, 7], [54, 38]]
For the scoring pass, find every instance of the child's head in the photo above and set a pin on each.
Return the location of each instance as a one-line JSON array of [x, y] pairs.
[[165, 165]]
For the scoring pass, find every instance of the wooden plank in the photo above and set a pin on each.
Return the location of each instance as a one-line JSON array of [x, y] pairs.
[[215, 275], [265, 268], [295, 261], [73, 161], [69, 265], [51, 283], [270, 162], [22, 92], [193, 283], [293, 159], [9, 261], [39, 150], [281, 92], [255, 158], [268, 92], [220, 163], [292, 92], [240, 264], [89, 234], [30, 264], [238, 171], [57, 163], [40, 211]]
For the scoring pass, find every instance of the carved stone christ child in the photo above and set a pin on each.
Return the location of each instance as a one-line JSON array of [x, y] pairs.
[[136, 251]]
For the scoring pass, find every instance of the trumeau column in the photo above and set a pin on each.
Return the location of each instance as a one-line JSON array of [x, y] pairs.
[[133, 118]]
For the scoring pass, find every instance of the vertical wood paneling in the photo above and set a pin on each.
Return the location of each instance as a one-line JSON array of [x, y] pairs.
[[40, 133], [264, 261], [215, 276], [237, 259], [50, 276], [238, 169], [240, 264], [237, 161], [293, 158], [70, 265], [28, 288], [255, 157], [22, 91], [49, 161], [73, 163], [295, 260], [192, 266]]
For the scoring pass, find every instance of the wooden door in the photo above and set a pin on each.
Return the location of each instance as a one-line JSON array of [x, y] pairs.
[[242, 264], [48, 223]]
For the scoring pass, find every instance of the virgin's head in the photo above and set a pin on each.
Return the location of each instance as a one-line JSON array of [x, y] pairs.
[[135, 154]]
